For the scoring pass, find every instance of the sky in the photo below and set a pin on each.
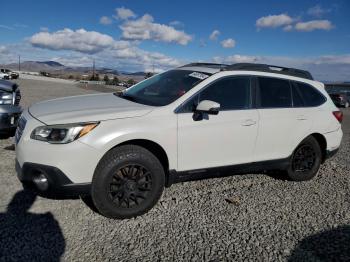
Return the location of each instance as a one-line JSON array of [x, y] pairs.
[[135, 35]]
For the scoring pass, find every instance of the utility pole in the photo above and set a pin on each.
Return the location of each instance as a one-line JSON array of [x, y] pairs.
[[19, 63], [93, 69]]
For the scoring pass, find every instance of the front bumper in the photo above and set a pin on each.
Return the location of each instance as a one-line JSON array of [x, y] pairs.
[[59, 185], [69, 168]]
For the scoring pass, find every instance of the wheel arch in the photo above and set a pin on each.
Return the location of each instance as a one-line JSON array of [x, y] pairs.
[[156, 149], [323, 144]]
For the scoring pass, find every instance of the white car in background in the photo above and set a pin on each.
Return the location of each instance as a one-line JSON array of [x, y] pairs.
[[4, 76], [199, 120]]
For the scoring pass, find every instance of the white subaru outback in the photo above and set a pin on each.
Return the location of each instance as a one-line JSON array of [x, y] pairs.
[[199, 120]]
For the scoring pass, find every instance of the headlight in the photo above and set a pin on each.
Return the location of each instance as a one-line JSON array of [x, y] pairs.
[[6, 98], [62, 134]]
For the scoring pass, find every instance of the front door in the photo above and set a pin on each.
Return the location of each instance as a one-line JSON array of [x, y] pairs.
[[218, 140]]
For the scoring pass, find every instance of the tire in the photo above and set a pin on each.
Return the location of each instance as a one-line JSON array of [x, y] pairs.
[[4, 136], [128, 182], [87, 200], [305, 161]]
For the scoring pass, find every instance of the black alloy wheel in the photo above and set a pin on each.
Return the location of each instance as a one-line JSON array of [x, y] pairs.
[[130, 185], [305, 160]]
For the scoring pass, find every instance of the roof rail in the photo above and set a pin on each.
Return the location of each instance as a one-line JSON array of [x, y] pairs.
[[270, 69], [211, 65]]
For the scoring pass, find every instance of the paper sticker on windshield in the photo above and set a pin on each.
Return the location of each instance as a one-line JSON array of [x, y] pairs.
[[199, 75]]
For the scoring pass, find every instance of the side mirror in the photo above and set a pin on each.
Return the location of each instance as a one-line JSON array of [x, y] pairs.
[[209, 107]]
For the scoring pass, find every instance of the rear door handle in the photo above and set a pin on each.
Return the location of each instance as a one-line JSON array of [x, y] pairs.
[[301, 117], [248, 122]]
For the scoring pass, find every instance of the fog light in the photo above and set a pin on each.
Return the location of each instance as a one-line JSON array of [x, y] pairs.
[[41, 182]]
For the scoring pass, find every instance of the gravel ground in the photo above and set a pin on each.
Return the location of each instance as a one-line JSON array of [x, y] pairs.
[[266, 217]]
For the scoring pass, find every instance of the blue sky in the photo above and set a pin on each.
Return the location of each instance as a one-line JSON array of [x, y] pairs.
[[139, 35]]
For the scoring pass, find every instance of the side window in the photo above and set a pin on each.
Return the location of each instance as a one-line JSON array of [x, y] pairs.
[[231, 93], [190, 105], [297, 99], [310, 95], [274, 93]]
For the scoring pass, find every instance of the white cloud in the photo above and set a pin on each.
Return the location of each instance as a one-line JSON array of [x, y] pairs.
[[274, 21], [2, 49], [79, 40], [105, 20], [214, 35], [317, 11], [236, 59], [103, 48], [176, 24], [44, 29], [145, 29], [6, 27], [124, 13], [288, 28], [228, 43], [313, 25]]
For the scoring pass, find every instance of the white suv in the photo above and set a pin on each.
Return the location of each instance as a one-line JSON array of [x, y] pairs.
[[198, 120]]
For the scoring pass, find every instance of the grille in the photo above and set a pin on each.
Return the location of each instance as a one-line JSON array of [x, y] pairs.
[[17, 96], [20, 128]]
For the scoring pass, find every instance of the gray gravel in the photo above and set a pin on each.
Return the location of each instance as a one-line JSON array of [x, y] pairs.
[[266, 217]]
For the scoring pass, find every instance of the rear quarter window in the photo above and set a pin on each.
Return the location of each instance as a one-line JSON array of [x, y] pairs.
[[310, 95]]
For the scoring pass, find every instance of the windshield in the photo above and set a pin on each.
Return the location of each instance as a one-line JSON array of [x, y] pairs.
[[165, 88]]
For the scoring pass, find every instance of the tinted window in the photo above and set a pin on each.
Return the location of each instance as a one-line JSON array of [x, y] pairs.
[[310, 95], [274, 92], [230, 93], [297, 99], [190, 105]]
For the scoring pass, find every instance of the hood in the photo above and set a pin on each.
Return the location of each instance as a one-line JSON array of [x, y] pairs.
[[7, 86], [86, 108]]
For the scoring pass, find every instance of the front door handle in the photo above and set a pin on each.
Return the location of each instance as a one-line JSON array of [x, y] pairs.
[[248, 122]]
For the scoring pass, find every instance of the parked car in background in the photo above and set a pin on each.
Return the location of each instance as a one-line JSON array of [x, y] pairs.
[[10, 109], [341, 99], [4, 76], [196, 121], [11, 74]]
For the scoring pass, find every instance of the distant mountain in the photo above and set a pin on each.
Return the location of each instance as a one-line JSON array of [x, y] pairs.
[[36, 66], [58, 68], [135, 73], [50, 63]]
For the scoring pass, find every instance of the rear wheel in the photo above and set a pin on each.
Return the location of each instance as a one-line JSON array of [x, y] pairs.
[[306, 160], [128, 182]]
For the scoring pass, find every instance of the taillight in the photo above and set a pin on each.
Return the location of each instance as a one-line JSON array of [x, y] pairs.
[[338, 115]]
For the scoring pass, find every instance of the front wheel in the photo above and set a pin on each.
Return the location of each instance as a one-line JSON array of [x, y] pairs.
[[305, 161], [128, 182]]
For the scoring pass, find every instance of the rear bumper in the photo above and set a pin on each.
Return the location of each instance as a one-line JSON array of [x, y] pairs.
[[331, 153], [59, 185]]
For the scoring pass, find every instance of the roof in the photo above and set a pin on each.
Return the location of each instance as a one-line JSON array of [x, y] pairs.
[[252, 67]]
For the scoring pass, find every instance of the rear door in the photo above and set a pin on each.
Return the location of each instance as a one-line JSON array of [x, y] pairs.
[[218, 140], [279, 122]]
